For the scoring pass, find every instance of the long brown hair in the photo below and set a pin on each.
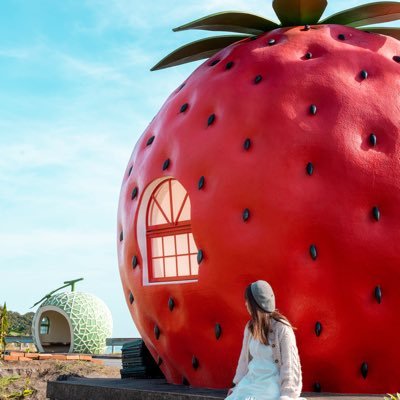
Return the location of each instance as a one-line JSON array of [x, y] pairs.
[[260, 322]]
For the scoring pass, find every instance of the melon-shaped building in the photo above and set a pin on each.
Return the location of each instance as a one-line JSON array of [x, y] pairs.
[[72, 322]]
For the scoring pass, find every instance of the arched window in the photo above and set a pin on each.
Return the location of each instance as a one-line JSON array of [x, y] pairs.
[[172, 252], [44, 326]]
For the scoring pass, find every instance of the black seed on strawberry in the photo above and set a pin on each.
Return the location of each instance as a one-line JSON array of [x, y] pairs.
[[150, 140], [257, 79], [341, 37], [364, 369], [218, 331], [211, 119], [247, 144], [229, 65], [310, 169], [253, 38], [185, 382], [200, 185], [308, 56], [313, 252], [121, 236], [134, 261], [156, 331], [317, 387], [364, 74], [396, 58], [130, 170], [318, 328], [166, 164], [212, 63], [171, 304], [246, 214], [378, 294], [372, 139], [131, 298], [181, 87], [313, 109], [200, 256], [184, 107], [376, 213], [271, 42], [134, 193], [307, 27], [195, 362]]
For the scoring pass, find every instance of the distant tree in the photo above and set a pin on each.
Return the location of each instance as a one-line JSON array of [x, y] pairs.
[[19, 324], [3, 326]]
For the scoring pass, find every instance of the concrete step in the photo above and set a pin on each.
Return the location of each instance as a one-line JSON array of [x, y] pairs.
[[152, 389]]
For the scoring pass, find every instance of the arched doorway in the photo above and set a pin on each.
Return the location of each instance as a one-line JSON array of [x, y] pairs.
[[53, 331]]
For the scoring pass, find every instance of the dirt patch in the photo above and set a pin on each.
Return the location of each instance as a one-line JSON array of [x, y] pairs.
[[28, 380]]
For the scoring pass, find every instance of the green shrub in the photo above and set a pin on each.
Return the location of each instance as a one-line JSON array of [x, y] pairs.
[[392, 396], [3, 326]]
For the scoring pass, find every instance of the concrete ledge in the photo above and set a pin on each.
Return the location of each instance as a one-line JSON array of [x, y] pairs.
[[152, 389], [126, 389]]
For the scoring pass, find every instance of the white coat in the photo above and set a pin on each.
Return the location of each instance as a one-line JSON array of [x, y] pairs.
[[283, 342]]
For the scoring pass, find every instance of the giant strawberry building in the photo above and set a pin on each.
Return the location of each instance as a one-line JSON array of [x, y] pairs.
[[278, 158]]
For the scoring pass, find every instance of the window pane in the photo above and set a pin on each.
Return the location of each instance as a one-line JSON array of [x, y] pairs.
[[194, 265], [183, 265], [182, 244], [156, 216], [158, 270], [44, 326], [178, 194], [156, 247], [164, 200], [185, 214], [170, 266], [169, 245], [193, 247]]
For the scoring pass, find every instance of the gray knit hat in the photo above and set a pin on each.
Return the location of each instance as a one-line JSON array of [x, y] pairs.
[[263, 295]]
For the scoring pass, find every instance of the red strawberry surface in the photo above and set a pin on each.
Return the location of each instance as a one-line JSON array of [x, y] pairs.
[[300, 165]]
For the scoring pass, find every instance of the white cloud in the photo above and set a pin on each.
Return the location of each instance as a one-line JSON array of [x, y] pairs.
[[59, 147], [42, 242], [151, 17], [21, 53], [88, 69]]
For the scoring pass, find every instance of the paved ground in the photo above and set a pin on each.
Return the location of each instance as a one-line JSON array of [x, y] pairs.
[[110, 361], [152, 389]]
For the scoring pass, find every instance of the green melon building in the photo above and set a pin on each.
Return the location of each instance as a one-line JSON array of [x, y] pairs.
[[72, 322]]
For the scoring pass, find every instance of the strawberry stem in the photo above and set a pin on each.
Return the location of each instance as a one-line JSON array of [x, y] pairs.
[[299, 12]]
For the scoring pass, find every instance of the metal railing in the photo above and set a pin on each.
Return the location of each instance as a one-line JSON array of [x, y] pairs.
[[19, 339], [117, 342], [111, 342]]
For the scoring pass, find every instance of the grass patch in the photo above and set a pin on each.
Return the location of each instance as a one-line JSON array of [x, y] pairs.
[[392, 396], [6, 381], [8, 393]]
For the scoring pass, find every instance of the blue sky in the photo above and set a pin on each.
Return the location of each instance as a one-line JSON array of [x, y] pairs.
[[75, 94]]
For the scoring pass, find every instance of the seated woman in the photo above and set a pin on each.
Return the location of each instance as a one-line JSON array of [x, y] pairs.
[[269, 365]]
